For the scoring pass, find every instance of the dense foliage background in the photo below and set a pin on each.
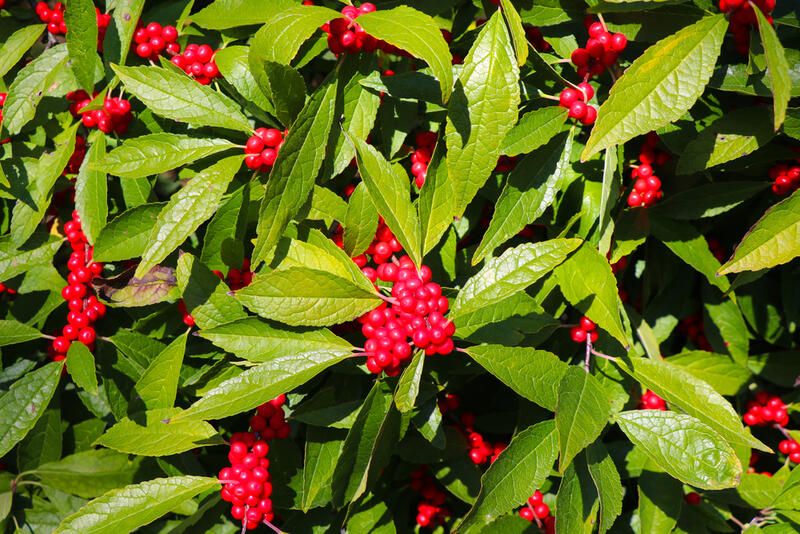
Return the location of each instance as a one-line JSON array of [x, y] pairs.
[[435, 265]]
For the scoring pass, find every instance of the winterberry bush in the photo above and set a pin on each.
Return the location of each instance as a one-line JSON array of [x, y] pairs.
[[465, 266]]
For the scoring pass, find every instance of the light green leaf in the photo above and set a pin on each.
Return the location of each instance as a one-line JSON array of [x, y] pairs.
[[517, 31], [156, 153], [80, 364], [405, 395], [176, 96], [158, 386], [511, 272], [372, 515], [39, 250], [126, 509], [533, 374], [326, 206], [284, 33], [389, 188], [306, 297], [359, 109], [777, 68], [128, 235], [582, 411], [660, 86], [607, 482], [89, 473], [32, 83], [533, 130], [155, 437], [718, 370], [258, 385], [587, 283], [187, 210], [234, 66], [736, 134], [17, 44], [518, 471], [13, 332], [91, 192], [205, 295], [25, 402], [127, 14], [684, 447], [360, 222], [224, 14], [772, 241], [707, 200], [688, 244], [292, 177], [436, 201], [258, 341], [323, 448], [482, 111], [81, 20], [608, 194], [425, 42], [531, 188], [695, 397]]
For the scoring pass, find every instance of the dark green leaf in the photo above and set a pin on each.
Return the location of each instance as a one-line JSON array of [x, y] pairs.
[[323, 448], [15, 261], [128, 234], [360, 222], [607, 482], [582, 411], [660, 498], [436, 201], [533, 130], [91, 192], [17, 44], [691, 247], [80, 364], [576, 500], [158, 386], [405, 396], [82, 41], [777, 68], [205, 295], [13, 332], [90, 473], [708, 200]]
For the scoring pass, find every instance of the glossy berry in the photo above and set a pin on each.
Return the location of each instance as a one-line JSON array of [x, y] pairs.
[[421, 156], [575, 100], [586, 330], [692, 499], [785, 178], [198, 62], [646, 189], [431, 510], [651, 401], [152, 40], [262, 149], [345, 36], [600, 51], [765, 410], [743, 19]]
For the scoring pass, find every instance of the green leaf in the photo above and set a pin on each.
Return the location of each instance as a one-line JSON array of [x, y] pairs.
[[608, 194], [482, 111], [153, 437], [89, 473], [725, 326], [224, 237], [157, 153], [306, 297], [607, 482], [91, 192], [282, 84], [405, 396], [224, 14], [425, 42], [128, 291], [81, 20], [158, 386], [371, 515], [25, 402], [436, 201], [533, 374], [80, 364], [126, 509], [533, 130], [32, 83], [127, 14], [284, 33], [777, 68], [576, 500], [205, 295], [660, 500], [518, 471], [511, 272], [718, 370], [258, 385], [44, 443], [259, 341], [707, 200], [39, 250], [588, 284], [518, 37], [292, 177], [688, 244], [389, 188], [684, 447], [660, 86], [17, 44], [359, 109], [680, 387], [360, 222], [582, 411], [234, 66], [531, 188], [175, 96], [13, 332], [734, 135], [368, 445], [323, 448], [187, 210], [128, 235], [771, 241]]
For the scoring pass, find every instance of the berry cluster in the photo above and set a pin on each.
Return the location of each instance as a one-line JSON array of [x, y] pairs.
[[785, 178], [651, 401], [692, 327], [575, 100], [601, 51], [262, 149], [153, 39], [480, 450], [421, 156], [198, 62], [246, 483], [431, 511], [345, 36], [647, 186], [585, 329], [537, 510], [381, 250], [115, 116], [766, 409], [237, 278], [536, 39], [743, 18], [54, 18], [791, 448], [84, 310], [75, 160]]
